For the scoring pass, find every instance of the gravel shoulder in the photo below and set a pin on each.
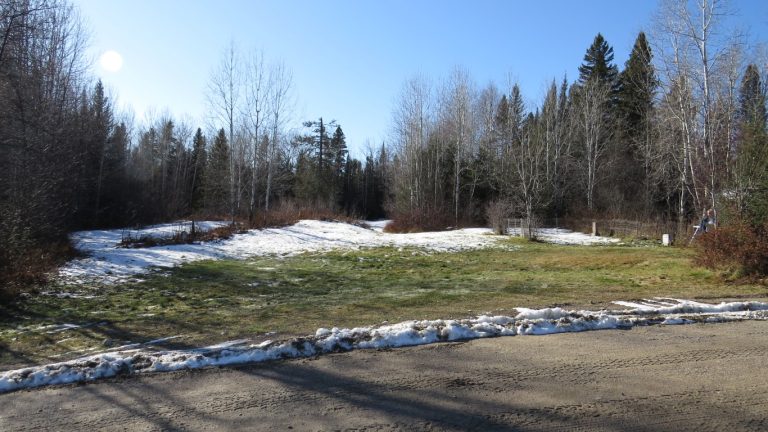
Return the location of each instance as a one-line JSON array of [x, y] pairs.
[[664, 378]]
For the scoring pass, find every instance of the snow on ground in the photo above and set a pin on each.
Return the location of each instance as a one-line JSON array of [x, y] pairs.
[[566, 237], [527, 322], [110, 264]]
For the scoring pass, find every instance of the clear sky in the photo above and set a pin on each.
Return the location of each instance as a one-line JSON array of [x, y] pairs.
[[349, 58]]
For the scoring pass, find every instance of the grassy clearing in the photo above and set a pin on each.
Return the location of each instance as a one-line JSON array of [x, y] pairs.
[[213, 301]]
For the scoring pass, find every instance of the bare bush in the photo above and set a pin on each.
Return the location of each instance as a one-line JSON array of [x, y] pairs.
[[740, 249], [497, 213]]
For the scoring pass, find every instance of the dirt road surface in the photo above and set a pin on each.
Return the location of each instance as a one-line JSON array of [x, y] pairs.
[[703, 377]]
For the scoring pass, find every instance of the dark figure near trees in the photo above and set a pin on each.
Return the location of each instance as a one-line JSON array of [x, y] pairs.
[[708, 218]]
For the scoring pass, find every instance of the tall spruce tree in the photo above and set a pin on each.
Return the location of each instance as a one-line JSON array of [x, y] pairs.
[[752, 99], [217, 175], [114, 206], [338, 157], [752, 164], [338, 152], [598, 63], [636, 88], [197, 168]]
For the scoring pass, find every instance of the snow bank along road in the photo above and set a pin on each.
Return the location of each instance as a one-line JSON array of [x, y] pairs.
[[110, 264], [662, 378], [132, 360]]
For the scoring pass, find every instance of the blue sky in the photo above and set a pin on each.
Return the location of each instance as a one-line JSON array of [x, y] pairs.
[[350, 58]]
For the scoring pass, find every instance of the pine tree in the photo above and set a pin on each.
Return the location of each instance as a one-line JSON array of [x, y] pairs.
[[320, 143], [597, 63]]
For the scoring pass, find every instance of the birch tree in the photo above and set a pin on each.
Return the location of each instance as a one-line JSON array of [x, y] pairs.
[[280, 104], [692, 33], [255, 84], [593, 125], [457, 115], [225, 95], [412, 119]]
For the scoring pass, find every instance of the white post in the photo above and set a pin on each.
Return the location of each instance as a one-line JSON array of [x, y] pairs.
[[665, 239]]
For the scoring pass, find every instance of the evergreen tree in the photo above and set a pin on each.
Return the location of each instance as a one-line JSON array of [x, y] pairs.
[[637, 86], [501, 119], [338, 151], [197, 166], [305, 187], [636, 89], [217, 175], [516, 113], [752, 99], [510, 117], [326, 184], [321, 141], [598, 63], [97, 127], [752, 164], [115, 207]]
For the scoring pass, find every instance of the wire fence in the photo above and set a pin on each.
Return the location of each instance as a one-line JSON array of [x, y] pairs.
[[624, 228]]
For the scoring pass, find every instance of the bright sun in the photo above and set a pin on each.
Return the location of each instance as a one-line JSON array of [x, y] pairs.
[[111, 61]]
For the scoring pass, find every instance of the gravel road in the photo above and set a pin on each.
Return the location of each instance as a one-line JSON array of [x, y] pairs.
[[702, 377]]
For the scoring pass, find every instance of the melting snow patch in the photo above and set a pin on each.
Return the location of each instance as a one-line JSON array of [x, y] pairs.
[[526, 322], [108, 263]]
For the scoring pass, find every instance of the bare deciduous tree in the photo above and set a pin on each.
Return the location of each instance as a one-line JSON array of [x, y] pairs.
[[280, 104], [225, 97], [592, 122], [253, 111]]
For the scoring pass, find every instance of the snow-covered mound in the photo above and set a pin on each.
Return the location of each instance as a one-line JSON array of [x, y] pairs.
[[408, 333], [109, 264]]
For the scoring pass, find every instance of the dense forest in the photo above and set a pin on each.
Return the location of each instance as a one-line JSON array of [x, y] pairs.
[[679, 129]]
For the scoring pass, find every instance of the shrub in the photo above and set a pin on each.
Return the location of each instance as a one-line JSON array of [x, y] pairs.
[[419, 221], [31, 267], [497, 213], [180, 237], [287, 212], [739, 248]]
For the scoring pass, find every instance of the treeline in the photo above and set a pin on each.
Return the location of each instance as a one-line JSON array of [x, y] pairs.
[[69, 161], [680, 129]]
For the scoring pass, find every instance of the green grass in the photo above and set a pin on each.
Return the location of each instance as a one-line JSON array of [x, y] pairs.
[[212, 301]]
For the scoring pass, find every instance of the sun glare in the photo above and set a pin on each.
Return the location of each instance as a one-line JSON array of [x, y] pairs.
[[111, 61]]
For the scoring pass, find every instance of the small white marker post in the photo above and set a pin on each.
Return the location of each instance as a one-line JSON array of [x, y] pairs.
[[665, 239]]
